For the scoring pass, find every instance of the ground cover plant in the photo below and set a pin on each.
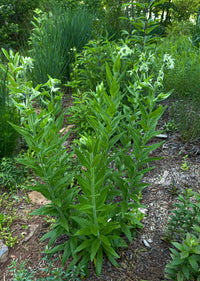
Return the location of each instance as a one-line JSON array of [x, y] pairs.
[[95, 186], [184, 227]]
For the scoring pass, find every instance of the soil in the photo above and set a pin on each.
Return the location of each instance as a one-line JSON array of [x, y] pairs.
[[146, 257]]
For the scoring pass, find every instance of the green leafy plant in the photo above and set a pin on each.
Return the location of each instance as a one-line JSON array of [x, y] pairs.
[[179, 28], [7, 217], [11, 174], [185, 262], [99, 182], [142, 25], [184, 166], [184, 217], [14, 79], [79, 112], [174, 188], [183, 227], [47, 156], [52, 273], [59, 273], [89, 67], [85, 212], [170, 126], [20, 272]]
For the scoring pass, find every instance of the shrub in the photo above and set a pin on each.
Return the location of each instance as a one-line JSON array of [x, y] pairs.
[[179, 28], [53, 39], [15, 21], [196, 32]]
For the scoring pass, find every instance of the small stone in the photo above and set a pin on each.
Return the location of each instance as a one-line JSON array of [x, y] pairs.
[[143, 210], [162, 136], [123, 265], [3, 252], [32, 230], [146, 243]]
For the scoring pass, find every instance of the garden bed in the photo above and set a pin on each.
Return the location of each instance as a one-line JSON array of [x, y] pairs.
[[147, 256]]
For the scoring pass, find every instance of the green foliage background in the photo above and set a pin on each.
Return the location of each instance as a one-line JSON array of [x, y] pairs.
[[15, 21]]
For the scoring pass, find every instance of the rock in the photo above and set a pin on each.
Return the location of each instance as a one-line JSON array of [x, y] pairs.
[[38, 198], [32, 229], [3, 252]]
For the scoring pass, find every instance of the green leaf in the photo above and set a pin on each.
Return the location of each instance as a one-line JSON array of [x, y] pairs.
[[25, 133], [73, 246], [81, 221], [186, 271], [184, 254], [94, 249], [124, 208], [66, 253], [83, 231], [99, 261], [117, 65], [84, 245], [105, 240], [109, 76], [64, 223], [180, 276], [111, 254], [193, 263], [163, 96], [178, 246], [177, 261], [126, 230]]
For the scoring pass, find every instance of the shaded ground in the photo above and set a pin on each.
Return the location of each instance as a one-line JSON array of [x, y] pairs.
[[147, 256]]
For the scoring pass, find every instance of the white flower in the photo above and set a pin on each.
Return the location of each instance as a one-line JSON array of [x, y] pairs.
[[27, 63], [125, 51], [144, 67], [169, 61], [159, 81]]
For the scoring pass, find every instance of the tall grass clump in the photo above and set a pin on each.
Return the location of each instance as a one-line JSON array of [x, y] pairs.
[[8, 113], [184, 78], [186, 115], [53, 39]]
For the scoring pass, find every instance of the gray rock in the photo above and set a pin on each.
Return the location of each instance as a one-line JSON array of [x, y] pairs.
[[3, 252]]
